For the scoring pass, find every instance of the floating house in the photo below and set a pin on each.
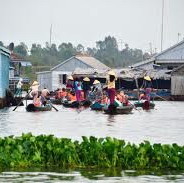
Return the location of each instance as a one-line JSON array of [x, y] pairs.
[[4, 74], [177, 83], [160, 66], [57, 76], [17, 67]]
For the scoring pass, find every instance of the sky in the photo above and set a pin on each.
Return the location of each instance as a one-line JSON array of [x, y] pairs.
[[136, 22]]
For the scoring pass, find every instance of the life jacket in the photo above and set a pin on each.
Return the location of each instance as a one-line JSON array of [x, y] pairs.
[[37, 102]]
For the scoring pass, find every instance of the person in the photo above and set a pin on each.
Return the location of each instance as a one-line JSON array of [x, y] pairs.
[[122, 98], [34, 93], [86, 87], [62, 93], [148, 87], [111, 86], [70, 83], [97, 90], [43, 97], [71, 96], [78, 88], [19, 88]]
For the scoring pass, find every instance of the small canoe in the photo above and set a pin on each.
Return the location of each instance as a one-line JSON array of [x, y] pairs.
[[75, 104], [57, 101], [97, 106], [32, 108], [112, 109], [145, 105]]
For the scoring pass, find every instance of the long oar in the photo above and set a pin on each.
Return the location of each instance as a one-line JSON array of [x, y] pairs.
[[133, 106], [163, 99], [22, 100], [53, 106]]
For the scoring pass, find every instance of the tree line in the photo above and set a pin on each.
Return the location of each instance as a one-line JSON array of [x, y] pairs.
[[107, 51]]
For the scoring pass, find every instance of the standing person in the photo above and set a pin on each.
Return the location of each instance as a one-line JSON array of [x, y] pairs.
[[19, 88], [111, 86], [34, 87], [97, 90], [70, 83], [78, 88], [148, 87], [86, 87]]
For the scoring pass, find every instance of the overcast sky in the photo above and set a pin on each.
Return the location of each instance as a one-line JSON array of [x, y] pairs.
[[136, 22]]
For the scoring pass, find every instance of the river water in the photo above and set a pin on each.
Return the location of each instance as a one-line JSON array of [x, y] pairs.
[[164, 124]]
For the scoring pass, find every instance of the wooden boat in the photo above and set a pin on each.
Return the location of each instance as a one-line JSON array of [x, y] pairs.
[[75, 104], [32, 108], [97, 106], [112, 109], [57, 101], [145, 105]]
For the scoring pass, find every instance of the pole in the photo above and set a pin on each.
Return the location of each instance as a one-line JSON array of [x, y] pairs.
[[50, 42], [162, 26]]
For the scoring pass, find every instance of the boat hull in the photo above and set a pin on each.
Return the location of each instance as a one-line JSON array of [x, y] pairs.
[[32, 108], [145, 105], [118, 110]]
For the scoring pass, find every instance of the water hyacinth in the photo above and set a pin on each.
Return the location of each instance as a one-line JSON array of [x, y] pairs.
[[47, 150]]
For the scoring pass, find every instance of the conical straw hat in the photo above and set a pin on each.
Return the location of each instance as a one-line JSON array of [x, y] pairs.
[[96, 82], [147, 78], [86, 79]]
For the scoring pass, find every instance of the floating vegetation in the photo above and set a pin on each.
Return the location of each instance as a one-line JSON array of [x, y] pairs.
[[47, 150]]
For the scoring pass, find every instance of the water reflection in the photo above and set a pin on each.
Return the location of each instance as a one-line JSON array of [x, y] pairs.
[[164, 125]]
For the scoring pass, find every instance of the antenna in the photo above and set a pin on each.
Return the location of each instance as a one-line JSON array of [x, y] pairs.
[[162, 27]]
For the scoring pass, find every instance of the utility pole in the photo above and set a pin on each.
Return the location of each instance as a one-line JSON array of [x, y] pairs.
[[162, 27], [50, 42], [179, 34], [151, 50]]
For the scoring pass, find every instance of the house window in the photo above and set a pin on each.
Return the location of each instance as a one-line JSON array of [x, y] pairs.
[[62, 78]]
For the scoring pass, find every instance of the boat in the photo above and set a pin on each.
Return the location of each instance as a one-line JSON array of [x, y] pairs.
[[145, 104], [112, 109], [97, 106], [76, 104], [32, 108], [57, 101]]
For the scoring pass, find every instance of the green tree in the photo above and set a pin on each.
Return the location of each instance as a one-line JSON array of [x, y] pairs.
[[21, 49]]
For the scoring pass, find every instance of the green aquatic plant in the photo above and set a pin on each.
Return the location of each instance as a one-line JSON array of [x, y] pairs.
[[47, 151]]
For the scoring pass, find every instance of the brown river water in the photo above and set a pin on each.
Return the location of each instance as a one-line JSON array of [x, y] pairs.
[[164, 124]]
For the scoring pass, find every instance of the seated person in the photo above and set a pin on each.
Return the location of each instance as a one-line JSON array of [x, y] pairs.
[[71, 96], [37, 102], [62, 93]]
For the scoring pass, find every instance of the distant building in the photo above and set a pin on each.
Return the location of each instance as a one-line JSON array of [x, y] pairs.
[[57, 76], [168, 59], [177, 83], [4, 74], [17, 66]]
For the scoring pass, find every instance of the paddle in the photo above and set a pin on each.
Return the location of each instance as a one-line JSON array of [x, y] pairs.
[[133, 106], [52, 105], [22, 100]]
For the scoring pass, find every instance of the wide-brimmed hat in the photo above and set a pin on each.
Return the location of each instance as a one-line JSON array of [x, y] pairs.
[[86, 79], [70, 77], [96, 82], [111, 72], [35, 83], [147, 78]]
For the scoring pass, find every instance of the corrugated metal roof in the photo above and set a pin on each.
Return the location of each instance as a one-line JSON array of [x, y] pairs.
[[93, 62], [143, 62], [4, 51]]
